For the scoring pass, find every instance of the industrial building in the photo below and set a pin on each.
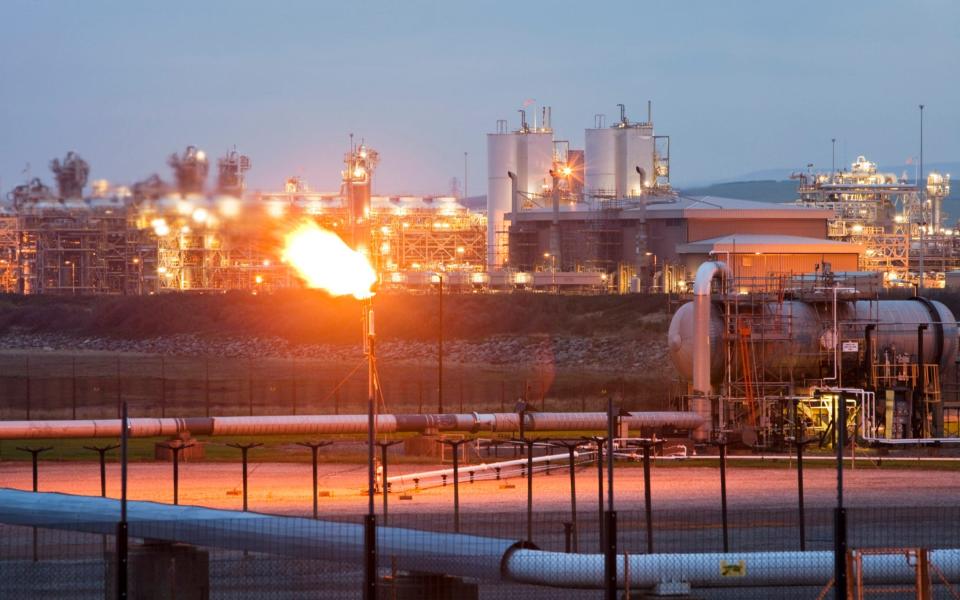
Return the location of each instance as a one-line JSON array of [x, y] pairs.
[[601, 218], [611, 210], [156, 237], [901, 225], [771, 366]]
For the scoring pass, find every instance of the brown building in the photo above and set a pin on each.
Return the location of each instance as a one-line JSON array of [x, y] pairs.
[[762, 261], [648, 240]]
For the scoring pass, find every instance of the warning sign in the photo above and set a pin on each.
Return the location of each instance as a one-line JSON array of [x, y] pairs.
[[733, 569], [850, 347]]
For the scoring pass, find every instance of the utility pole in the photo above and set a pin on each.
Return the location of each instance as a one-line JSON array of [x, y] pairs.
[[440, 345], [921, 188], [833, 157]]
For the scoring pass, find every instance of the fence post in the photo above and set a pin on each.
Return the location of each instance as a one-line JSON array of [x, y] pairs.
[[370, 556], [599, 441], [723, 493], [610, 555], [122, 524], [163, 387], [206, 386], [293, 377], [840, 513], [73, 388], [647, 495], [29, 401]]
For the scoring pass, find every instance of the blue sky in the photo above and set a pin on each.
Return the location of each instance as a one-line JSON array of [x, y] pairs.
[[739, 86]]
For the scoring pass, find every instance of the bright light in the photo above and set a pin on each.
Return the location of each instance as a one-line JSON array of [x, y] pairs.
[[385, 248], [258, 279], [275, 209], [230, 207], [898, 219], [461, 249], [184, 208], [160, 227], [266, 262], [359, 172], [857, 228], [161, 270], [324, 261], [200, 215], [566, 171], [201, 155]]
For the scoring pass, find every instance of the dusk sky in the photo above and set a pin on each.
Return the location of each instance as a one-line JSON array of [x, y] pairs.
[[739, 87]]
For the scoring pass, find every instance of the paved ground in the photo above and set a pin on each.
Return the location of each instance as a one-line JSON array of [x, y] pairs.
[[284, 488]]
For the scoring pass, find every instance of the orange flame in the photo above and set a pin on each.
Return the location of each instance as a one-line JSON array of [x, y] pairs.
[[324, 261]]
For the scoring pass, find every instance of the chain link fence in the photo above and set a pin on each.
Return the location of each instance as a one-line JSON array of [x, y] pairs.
[[63, 386], [897, 551]]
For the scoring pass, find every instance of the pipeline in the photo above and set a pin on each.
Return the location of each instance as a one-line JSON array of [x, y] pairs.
[[449, 553], [339, 424], [702, 389]]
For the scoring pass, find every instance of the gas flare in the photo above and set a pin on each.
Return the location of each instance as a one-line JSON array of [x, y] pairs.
[[324, 261]]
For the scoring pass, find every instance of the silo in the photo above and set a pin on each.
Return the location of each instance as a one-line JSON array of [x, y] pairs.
[[534, 162], [501, 159], [634, 150], [599, 175]]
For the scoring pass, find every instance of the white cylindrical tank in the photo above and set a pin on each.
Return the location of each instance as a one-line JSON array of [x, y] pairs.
[[534, 161], [501, 158], [599, 157], [530, 156], [634, 149]]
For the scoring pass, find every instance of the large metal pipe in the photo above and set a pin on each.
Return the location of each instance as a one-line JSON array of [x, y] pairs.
[[702, 388], [337, 424], [434, 552], [760, 569]]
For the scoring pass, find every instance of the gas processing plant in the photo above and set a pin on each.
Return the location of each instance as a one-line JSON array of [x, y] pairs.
[[599, 219]]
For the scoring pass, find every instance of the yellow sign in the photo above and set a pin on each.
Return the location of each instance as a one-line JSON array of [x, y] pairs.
[[733, 569]]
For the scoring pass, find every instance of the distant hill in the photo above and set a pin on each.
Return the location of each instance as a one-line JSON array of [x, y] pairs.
[[783, 173], [766, 190]]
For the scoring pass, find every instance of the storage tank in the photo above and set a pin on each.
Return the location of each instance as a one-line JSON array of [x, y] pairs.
[[634, 150], [501, 159], [528, 154], [534, 162], [801, 334], [600, 149]]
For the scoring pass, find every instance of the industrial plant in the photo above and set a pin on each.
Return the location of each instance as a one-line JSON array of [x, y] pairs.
[[603, 218]]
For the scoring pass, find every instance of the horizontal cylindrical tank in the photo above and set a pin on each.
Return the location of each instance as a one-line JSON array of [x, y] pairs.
[[796, 335]]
